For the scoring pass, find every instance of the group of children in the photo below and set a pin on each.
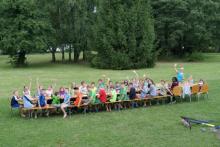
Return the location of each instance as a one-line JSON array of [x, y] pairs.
[[104, 91]]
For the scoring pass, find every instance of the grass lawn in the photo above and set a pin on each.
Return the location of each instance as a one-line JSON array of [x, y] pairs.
[[153, 126]]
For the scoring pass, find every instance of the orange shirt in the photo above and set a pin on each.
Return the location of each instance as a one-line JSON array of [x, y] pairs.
[[78, 99]]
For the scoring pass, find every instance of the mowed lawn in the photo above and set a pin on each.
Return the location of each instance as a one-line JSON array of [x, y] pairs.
[[157, 126]]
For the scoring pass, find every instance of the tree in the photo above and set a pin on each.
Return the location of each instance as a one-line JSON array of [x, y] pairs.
[[125, 34], [22, 29], [185, 26]]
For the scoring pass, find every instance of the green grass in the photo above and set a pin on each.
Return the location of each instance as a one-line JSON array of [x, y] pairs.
[[152, 126]]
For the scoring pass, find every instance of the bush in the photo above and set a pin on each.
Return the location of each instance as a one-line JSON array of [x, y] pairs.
[[195, 56]]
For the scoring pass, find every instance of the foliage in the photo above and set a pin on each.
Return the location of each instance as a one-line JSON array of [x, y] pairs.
[[22, 29], [186, 26], [125, 32]]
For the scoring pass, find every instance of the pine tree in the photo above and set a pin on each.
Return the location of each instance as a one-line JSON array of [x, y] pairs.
[[125, 34]]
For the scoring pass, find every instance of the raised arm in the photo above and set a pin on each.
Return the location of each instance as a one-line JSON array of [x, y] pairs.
[[175, 68]]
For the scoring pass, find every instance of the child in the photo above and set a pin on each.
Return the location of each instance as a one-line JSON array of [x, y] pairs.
[[42, 101], [132, 95], [42, 98], [56, 99], [144, 90], [102, 95], [201, 83], [174, 83], [83, 88], [62, 94], [117, 87], [27, 90], [113, 94], [27, 100], [163, 89], [49, 91], [101, 84], [152, 88], [14, 100], [186, 89], [123, 92], [113, 98], [180, 73], [78, 95], [66, 102]]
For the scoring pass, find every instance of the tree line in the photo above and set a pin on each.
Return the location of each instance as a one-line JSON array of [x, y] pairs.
[[114, 34]]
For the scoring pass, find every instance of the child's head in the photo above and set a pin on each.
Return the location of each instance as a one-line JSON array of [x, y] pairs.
[[122, 84], [83, 83], [92, 84], [56, 93], [163, 82], [62, 89], [126, 82], [117, 84], [66, 90], [15, 93], [112, 87], [174, 79], [76, 90], [100, 81], [43, 92], [50, 87]]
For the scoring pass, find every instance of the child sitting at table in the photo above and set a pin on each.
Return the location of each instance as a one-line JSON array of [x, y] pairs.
[[152, 88], [42, 101], [101, 84], [49, 91], [186, 89], [132, 95], [79, 96], [201, 83], [174, 83], [55, 99], [102, 95], [83, 88], [66, 102], [62, 94], [14, 102], [163, 88], [117, 87], [112, 98], [144, 90]]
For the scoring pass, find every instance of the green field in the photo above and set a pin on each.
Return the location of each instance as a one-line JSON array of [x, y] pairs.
[[157, 126]]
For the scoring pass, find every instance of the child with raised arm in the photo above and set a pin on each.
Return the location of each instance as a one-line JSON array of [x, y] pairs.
[[179, 72]]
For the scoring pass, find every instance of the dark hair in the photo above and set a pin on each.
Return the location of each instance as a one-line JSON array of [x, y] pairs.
[[76, 88], [174, 79], [93, 83], [56, 93]]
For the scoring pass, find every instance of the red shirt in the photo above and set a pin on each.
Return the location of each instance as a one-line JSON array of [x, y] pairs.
[[102, 95], [78, 99]]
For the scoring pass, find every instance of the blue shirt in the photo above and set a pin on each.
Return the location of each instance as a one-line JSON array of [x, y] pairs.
[[66, 98], [14, 102], [42, 102], [179, 76]]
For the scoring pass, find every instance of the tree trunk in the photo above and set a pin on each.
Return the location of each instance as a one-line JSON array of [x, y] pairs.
[[70, 53], [21, 58], [76, 55], [53, 55], [63, 54], [84, 55]]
